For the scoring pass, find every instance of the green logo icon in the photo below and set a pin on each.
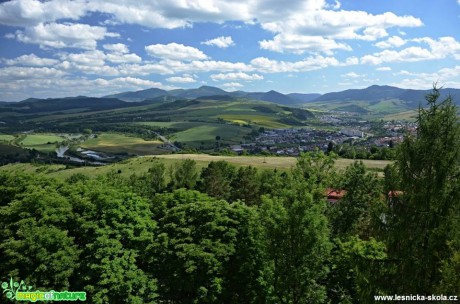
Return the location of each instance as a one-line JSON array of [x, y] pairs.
[[19, 291], [12, 287]]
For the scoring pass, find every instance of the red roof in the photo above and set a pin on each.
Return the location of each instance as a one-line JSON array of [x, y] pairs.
[[333, 195]]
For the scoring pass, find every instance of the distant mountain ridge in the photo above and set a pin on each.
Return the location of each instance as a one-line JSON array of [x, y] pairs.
[[377, 93], [205, 91]]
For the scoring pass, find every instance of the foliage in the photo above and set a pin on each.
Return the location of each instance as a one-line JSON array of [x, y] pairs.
[[425, 221], [205, 250]]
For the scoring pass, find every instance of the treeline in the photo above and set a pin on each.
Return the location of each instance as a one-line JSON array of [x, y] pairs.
[[224, 234]]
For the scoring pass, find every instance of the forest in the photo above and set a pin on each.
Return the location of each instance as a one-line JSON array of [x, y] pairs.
[[229, 234]]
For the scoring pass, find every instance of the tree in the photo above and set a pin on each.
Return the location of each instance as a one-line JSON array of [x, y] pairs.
[[216, 179], [352, 215], [424, 228], [246, 186], [184, 174], [35, 244], [156, 178], [296, 235], [206, 250]]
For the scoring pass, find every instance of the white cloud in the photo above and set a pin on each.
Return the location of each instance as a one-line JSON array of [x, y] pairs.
[[123, 58], [117, 48], [30, 60], [393, 41], [263, 64], [351, 75], [175, 51], [446, 77], [438, 49], [182, 79], [25, 73], [18, 89], [232, 85], [69, 35], [236, 76], [304, 25], [221, 42], [383, 69], [33, 12], [319, 29], [300, 44]]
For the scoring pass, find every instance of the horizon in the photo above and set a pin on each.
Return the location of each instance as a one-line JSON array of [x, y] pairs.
[[63, 48], [227, 91]]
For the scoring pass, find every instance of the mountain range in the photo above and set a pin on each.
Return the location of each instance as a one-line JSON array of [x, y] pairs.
[[371, 100], [372, 95]]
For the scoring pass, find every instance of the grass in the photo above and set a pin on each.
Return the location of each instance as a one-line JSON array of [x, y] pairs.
[[41, 142], [139, 165], [262, 120], [118, 143], [6, 137], [40, 139], [207, 133], [406, 115]]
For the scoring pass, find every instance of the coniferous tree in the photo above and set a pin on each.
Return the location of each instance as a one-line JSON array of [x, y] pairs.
[[424, 227]]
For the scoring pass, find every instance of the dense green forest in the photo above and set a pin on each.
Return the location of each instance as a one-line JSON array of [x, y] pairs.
[[246, 235]]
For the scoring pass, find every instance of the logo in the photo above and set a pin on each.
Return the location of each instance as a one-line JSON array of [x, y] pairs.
[[20, 291]]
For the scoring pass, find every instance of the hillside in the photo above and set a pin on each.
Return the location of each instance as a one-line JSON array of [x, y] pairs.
[[377, 100], [206, 91]]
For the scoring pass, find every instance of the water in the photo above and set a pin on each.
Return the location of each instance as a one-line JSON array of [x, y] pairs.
[[61, 150]]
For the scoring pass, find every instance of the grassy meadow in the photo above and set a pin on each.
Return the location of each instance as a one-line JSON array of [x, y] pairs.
[[118, 143], [139, 165]]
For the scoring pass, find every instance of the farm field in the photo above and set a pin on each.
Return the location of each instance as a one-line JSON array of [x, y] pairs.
[[6, 137], [140, 165], [117, 143], [41, 142]]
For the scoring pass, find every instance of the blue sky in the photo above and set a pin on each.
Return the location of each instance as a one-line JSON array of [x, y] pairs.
[[62, 48]]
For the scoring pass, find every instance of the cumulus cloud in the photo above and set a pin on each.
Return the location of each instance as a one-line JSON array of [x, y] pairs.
[[438, 49], [383, 69], [263, 64], [181, 79], [351, 75], [300, 44], [236, 76], [33, 12], [232, 85], [391, 42], [69, 35], [116, 48], [221, 42], [30, 60], [298, 25], [319, 29], [25, 73], [175, 51]]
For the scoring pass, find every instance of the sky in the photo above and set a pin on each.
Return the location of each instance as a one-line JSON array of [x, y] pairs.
[[60, 48]]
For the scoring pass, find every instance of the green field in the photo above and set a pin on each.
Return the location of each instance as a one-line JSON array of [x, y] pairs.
[[6, 137], [207, 133], [139, 165], [41, 142], [118, 143]]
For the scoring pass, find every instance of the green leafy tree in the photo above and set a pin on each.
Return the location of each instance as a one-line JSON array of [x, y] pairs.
[[353, 214], [356, 270], [184, 174], [206, 250], [246, 186], [216, 179], [156, 178], [35, 244], [297, 241]]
